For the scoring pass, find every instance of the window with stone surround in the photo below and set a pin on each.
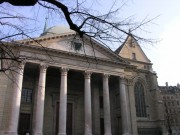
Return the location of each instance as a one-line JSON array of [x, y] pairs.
[[26, 95], [140, 100], [134, 56]]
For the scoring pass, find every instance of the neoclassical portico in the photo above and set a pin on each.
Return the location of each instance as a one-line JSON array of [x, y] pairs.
[[40, 102]]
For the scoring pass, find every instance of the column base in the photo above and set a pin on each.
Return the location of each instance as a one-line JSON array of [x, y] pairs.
[[37, 133], [126, 134], [61, 133], [8, 133], [107, 134], [88, 134]]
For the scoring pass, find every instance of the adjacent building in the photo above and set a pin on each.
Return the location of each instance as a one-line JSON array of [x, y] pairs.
[[170, 96], [70, 86]]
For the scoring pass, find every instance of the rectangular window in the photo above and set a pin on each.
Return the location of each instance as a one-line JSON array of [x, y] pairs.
[[26, 95], [133, 56]]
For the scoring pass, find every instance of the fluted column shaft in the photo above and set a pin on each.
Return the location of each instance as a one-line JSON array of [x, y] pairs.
[[126, 127], [39, 115], [87, 104], [63, 102], [106, 103], [15, 100]]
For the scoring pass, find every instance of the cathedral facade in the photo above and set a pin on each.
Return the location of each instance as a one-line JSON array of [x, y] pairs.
[[70, 86]]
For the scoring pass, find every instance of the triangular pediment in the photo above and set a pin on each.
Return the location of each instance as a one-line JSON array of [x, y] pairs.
[[72, 44], [131, 50]]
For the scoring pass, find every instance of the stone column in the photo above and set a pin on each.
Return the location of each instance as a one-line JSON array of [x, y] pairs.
[[39, 114], [87, 104], [125, 115], [106, 103], [63, 102], [15, 100]]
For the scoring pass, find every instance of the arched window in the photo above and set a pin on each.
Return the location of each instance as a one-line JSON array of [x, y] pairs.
[[140, 100]]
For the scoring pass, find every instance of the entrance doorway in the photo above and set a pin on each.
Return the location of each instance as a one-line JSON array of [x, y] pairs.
[[24, 124], [68, 118], [102, 126]]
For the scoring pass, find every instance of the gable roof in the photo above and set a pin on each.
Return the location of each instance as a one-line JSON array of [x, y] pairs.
[[129, 46]]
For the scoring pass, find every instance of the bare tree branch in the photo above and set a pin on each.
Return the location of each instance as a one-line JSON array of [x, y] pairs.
[[104, 28]]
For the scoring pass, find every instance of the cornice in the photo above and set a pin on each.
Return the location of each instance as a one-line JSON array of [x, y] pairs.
[[44, 38], [136, 61], [144, 71]]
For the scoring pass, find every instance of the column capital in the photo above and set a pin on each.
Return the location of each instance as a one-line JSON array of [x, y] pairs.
[[129, 81], [105, 75], [43, 67], [22, 64], [64, 70], [20, 67], [87, 74], [122, 76], [122, 79]]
